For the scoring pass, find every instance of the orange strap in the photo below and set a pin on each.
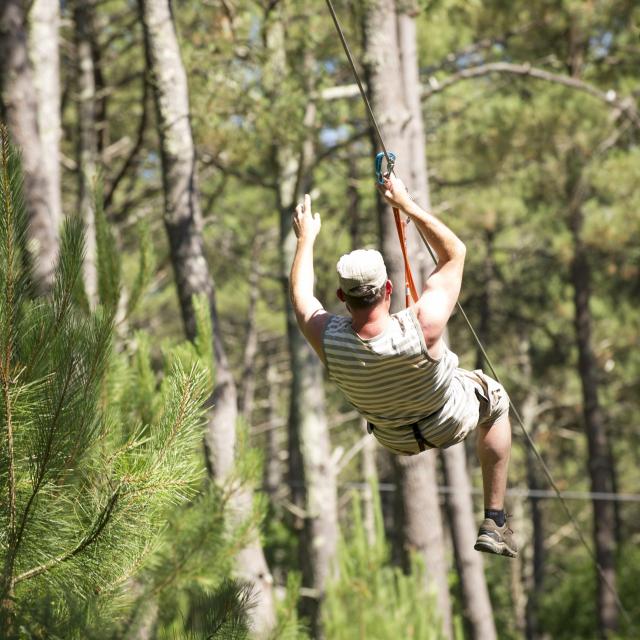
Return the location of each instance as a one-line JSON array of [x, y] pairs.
[[410, 291]]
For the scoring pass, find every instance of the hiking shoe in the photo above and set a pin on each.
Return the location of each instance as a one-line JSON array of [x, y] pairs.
[[495, 539]]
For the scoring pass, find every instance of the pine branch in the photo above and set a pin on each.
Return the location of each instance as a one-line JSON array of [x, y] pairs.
[[610, 97], [94, 371], [43, 464], [101, 522], [66, 282], [7, 355]]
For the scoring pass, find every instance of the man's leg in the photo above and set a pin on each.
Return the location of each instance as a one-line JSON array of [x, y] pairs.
[[493, 445]]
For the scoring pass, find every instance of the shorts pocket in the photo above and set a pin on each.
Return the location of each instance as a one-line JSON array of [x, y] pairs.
[[494, 394]]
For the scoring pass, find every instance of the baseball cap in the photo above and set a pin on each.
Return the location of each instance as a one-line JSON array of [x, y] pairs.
[[361, 271]]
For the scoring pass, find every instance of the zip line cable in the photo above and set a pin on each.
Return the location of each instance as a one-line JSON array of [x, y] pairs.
[[478, 342]]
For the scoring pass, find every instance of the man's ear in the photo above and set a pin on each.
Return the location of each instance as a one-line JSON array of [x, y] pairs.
[[340, 294]]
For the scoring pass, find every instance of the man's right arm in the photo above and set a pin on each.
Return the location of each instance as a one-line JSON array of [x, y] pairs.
[[435, 305]]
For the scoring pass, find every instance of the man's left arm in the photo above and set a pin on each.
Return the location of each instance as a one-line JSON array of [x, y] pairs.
[[310, 314]]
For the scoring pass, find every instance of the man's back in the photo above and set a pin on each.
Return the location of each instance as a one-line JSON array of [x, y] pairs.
[[392, 380]]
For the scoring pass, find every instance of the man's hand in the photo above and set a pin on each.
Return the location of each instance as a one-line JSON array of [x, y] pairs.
[[305, 224], [395, 193]]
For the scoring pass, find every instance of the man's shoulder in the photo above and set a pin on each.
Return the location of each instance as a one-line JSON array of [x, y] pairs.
[[404, 313], [336, 323]]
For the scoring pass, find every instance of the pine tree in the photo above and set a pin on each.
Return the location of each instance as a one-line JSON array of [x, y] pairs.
[[372, 599], [84, 492]]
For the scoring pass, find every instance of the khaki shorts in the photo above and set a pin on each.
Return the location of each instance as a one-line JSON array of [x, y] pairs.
[[494, 401], [484, 401]]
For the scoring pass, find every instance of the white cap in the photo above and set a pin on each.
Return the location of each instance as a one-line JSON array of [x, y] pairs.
[[361, 271]]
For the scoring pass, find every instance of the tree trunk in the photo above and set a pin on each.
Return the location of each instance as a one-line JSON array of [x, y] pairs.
[[580, 275], [312, 472], [486, 294], [272, 464], [478, 611], [19, 97], [603, 510], [183, 223], [248, 383], [87, 140], [45, 57], [391, 67], [530, 410], [475, 595], [370, 478], [518, 593], [422, 525], [144, 621], [353, 205]]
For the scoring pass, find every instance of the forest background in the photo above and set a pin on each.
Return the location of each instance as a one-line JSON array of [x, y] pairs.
[[174, 462]]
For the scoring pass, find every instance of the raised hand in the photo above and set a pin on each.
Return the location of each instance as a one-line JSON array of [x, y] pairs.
[[395, 193], [306, 225]]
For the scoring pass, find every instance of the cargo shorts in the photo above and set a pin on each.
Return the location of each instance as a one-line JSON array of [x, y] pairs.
[[494, 401], [483, 401]]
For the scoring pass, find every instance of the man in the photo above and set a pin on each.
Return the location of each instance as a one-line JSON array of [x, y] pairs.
[[396, 369]]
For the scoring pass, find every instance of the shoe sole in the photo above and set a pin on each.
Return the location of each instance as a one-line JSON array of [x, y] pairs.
[[487, 544]]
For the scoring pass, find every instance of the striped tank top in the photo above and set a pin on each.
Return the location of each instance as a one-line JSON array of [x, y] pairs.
[[393, 382]]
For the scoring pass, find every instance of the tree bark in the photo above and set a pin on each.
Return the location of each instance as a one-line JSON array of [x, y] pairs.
[[486, 294], [477, 608], [353, 205], [45, 56], [422, 526], [183, 223], [87, 151], [604, 516], [248, 383], [530, 409], [312, 473], [603, 510], [19, 97], [272, 465], [370, 478], [391, 67], [144, 622], [518, 593]]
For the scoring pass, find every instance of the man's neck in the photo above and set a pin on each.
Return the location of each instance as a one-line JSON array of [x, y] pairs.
[[368, 323]]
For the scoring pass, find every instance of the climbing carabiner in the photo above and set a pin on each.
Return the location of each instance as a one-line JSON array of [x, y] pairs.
[[391, 160]]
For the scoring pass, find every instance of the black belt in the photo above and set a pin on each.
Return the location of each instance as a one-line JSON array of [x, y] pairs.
[[423, 443]]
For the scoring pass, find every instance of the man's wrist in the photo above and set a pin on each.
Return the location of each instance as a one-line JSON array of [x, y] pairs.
[[412, 209]]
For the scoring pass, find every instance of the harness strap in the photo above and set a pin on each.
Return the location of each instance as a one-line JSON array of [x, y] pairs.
[[410, 291], [423, 443]]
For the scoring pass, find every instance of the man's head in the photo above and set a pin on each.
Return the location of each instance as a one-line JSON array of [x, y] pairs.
[[363, 281]]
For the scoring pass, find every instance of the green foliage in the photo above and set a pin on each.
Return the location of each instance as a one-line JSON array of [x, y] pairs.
[[372, 599], [85, 487], [222, 614], [289, 626], [146, 266], [108, 259], [570, 596], [501, 152]]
